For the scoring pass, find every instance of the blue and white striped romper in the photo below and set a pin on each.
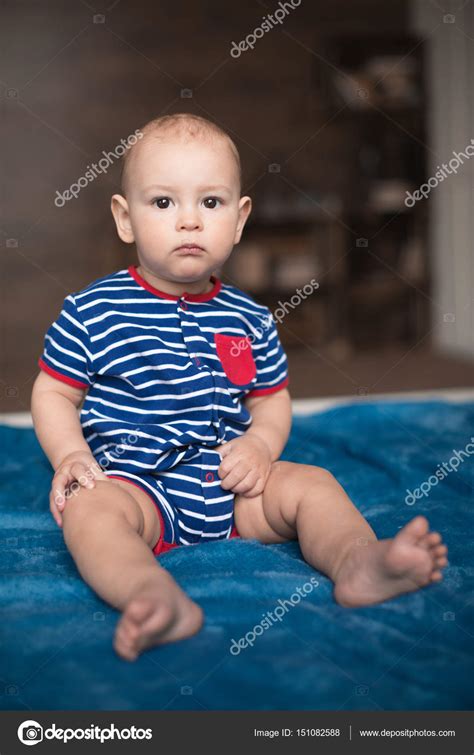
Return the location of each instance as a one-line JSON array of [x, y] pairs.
[[166, 377]]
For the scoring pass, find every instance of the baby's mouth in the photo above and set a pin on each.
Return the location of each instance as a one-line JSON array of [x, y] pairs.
[[190, 248]]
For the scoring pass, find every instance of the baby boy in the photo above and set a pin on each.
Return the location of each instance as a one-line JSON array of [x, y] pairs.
[[183, 387]]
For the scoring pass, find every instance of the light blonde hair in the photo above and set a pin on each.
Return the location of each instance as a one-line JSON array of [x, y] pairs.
[[183, 126]]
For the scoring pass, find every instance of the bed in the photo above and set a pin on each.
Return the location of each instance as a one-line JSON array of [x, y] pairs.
[[412, 652]]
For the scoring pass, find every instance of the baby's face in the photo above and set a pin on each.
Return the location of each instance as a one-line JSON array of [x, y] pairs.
[[182, 193]]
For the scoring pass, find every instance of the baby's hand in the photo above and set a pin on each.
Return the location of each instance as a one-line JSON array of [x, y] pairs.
[[246, 465], [80, 468]]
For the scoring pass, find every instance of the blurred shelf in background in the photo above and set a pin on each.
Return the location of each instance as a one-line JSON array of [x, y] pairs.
[[334, 211]]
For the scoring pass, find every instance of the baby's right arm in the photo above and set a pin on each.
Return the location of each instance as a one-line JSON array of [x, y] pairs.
[[54, 407]]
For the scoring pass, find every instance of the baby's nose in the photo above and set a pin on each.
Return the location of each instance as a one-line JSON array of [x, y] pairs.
[[189, 220]]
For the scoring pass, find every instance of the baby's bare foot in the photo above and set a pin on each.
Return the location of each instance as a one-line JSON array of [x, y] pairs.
[[381, 570], [157, 614]]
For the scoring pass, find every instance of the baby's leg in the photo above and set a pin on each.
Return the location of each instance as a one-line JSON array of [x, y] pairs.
[[110, 533], [307, 503]]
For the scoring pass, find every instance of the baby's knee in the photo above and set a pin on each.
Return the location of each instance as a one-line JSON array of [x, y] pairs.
[[80, 502], [299, 476], [103, 500]]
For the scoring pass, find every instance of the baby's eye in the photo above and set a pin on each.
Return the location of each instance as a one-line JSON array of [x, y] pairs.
[[162, 202], [210, 203]]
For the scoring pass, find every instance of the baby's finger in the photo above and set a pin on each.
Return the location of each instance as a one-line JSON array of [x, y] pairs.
[[228, 465], [97, 472], [248, 483], [233, 478], [82, 474], [226, 473], [58, 488], [225, 449], [54, 510]]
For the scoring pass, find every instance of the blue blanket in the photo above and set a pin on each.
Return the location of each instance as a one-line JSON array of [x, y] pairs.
[[413, 652]]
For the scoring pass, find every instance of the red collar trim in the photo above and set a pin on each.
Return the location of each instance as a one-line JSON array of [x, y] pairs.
[[163, 295]]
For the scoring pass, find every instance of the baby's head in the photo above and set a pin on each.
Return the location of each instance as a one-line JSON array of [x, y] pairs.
[[181, 185]]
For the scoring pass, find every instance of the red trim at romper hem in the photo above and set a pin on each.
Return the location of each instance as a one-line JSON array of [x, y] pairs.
[[158, 545], [161, 547]]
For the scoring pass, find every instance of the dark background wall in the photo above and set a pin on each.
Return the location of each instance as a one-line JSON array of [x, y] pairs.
[[77, 77]]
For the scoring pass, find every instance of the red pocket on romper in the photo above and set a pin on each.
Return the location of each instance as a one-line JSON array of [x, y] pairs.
[[235, 353]]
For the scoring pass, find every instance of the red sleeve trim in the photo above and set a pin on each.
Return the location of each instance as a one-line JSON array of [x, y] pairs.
[[60, 376], [266, 391]]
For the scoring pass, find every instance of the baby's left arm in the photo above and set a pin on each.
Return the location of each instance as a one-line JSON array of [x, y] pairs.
[[247, 460], [271, 420]]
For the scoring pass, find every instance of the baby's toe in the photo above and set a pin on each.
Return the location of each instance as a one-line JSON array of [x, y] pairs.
[[430, 540], [131, 633], [412, 533], [126, 653], [127, 632], [124, 647], [125, 636]]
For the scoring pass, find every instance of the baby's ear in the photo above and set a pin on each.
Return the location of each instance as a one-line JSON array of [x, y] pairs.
[[245, 208], [119, 207]]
